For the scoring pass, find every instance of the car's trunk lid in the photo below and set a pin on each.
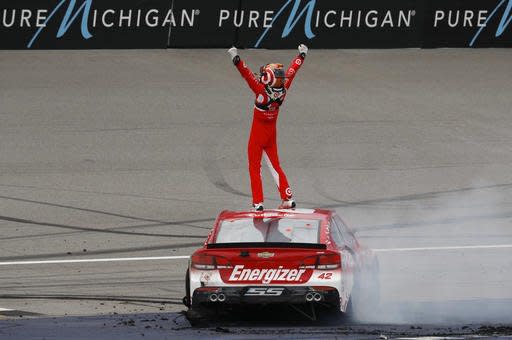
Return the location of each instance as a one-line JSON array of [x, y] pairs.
[[270, 263]]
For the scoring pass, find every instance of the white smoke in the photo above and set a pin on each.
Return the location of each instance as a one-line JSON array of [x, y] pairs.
[[472, 285]]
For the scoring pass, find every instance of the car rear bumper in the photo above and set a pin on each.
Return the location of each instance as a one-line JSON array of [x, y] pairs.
[[265, 295]]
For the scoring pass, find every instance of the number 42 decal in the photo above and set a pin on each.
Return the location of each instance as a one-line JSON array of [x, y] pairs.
[[325, 276]]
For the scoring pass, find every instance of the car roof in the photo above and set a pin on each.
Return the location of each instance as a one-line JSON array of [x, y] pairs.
[[317, 214], [320, 214], [324, 215]]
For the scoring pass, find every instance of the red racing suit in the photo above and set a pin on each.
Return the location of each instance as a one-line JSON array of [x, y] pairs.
[[263, 137]]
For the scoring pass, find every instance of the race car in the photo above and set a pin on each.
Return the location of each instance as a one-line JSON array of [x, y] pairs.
[[296, 257]]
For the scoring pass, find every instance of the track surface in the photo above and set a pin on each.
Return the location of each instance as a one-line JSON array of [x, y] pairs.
[[113, 154]]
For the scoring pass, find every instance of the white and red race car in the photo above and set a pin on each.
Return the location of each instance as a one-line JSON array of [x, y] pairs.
[[301, 256]]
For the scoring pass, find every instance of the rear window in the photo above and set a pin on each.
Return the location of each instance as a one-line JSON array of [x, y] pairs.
[[284, 230]]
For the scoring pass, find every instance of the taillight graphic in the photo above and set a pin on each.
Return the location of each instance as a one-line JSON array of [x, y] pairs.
[[328, 261], [209, 262], [323, 262]]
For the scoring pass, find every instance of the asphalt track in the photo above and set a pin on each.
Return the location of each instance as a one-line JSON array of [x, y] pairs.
[[131, 154]]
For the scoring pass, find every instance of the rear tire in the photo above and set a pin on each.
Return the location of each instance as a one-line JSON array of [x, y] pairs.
[[186, 298], [336, 317], [196, 314]]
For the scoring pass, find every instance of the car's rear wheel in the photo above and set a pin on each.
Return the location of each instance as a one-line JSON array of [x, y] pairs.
[[196, 314], [334, 316], [186, 298]]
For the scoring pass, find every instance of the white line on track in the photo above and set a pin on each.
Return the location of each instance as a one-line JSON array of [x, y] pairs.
[[181, 257], [5, 310], [490, 246]]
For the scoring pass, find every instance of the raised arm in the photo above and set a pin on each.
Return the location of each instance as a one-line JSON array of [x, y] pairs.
[[295, 65], [244, 70]]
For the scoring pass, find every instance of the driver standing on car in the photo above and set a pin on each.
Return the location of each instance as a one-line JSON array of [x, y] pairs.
[[270, 91]]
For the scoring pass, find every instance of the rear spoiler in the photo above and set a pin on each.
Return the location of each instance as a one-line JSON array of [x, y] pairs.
[[265, 245]]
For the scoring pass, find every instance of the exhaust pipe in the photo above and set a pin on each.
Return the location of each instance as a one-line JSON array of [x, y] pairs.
[[317, 297], [221, 297], [213, 297], [309, 297]]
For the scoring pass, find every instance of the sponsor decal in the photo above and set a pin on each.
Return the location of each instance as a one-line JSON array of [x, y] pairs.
[[288, 192], [240, 273], [314, 17], [265, 255], [469, 23], [464, 18], [280, 213], [265, 23], [67, 13], [263, 291], [325, 276]]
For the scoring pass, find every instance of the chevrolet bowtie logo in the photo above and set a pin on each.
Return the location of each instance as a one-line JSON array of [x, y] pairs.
[[265, 255]]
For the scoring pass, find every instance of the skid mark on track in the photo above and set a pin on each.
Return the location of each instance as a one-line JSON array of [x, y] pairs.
[[143, 299], [98, 284], [412, 197], [101, 212], [319, 189], [440, 221], [214, 173], [14, 312], [215, 176], [136, 226], [108, 231], [96, 193], [118, 259], [168, 247]]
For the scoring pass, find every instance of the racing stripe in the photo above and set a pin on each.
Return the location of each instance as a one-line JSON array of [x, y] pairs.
[[271, 167]]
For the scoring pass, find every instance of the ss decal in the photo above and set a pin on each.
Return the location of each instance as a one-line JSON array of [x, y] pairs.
[[264, 291]]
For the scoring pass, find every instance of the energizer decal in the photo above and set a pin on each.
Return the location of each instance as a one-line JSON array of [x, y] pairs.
[[265, 275]]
